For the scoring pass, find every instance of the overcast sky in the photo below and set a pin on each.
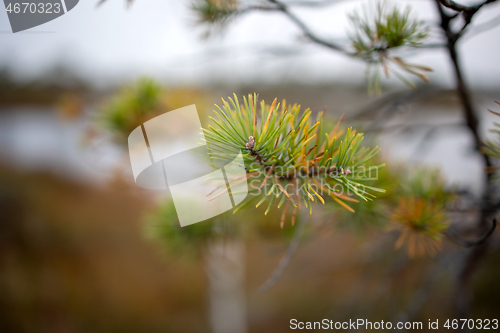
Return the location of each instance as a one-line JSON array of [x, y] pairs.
[[157, 38]]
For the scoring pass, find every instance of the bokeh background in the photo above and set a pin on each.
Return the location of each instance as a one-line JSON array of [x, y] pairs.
[[79, 250]]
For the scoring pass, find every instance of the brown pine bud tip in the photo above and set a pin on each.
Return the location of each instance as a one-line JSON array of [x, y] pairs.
[[251, 143]]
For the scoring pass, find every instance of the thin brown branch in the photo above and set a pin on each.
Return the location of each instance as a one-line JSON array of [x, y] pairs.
[[456, 6], [396, 103], [461, 8], [275, 5], [467, 12], [305, 29], [290, 252], [474, 257], [463, 91], [462, 289], [459, 239]]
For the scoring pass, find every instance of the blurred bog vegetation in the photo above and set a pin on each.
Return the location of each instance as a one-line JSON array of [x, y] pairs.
[[73, 259], [78, 257]]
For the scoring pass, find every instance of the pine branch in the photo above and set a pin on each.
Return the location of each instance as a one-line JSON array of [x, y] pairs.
[[290, 153]]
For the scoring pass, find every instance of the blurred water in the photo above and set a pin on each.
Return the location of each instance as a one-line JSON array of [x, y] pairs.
[[428, 134], [39, 139]]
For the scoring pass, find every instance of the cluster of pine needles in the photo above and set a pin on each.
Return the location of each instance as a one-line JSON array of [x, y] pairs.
[[375, 34], [290, 156]]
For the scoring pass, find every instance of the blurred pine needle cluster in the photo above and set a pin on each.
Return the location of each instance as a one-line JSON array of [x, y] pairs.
[[131, 107], [414, 206], [376, 32], [141, 101], [420, 215], [214, 13]]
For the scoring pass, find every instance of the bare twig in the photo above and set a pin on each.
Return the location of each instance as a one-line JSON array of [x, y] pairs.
[[305, 29], [467, 12], [275, 5], [398, 102], [470, 264], [290, 252], [463, 91], [461, 8], [426, 290], [456, 6], [429, 136], [459, 239]]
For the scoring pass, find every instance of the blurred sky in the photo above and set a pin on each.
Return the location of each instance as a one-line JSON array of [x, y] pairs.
[[111, 43]]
